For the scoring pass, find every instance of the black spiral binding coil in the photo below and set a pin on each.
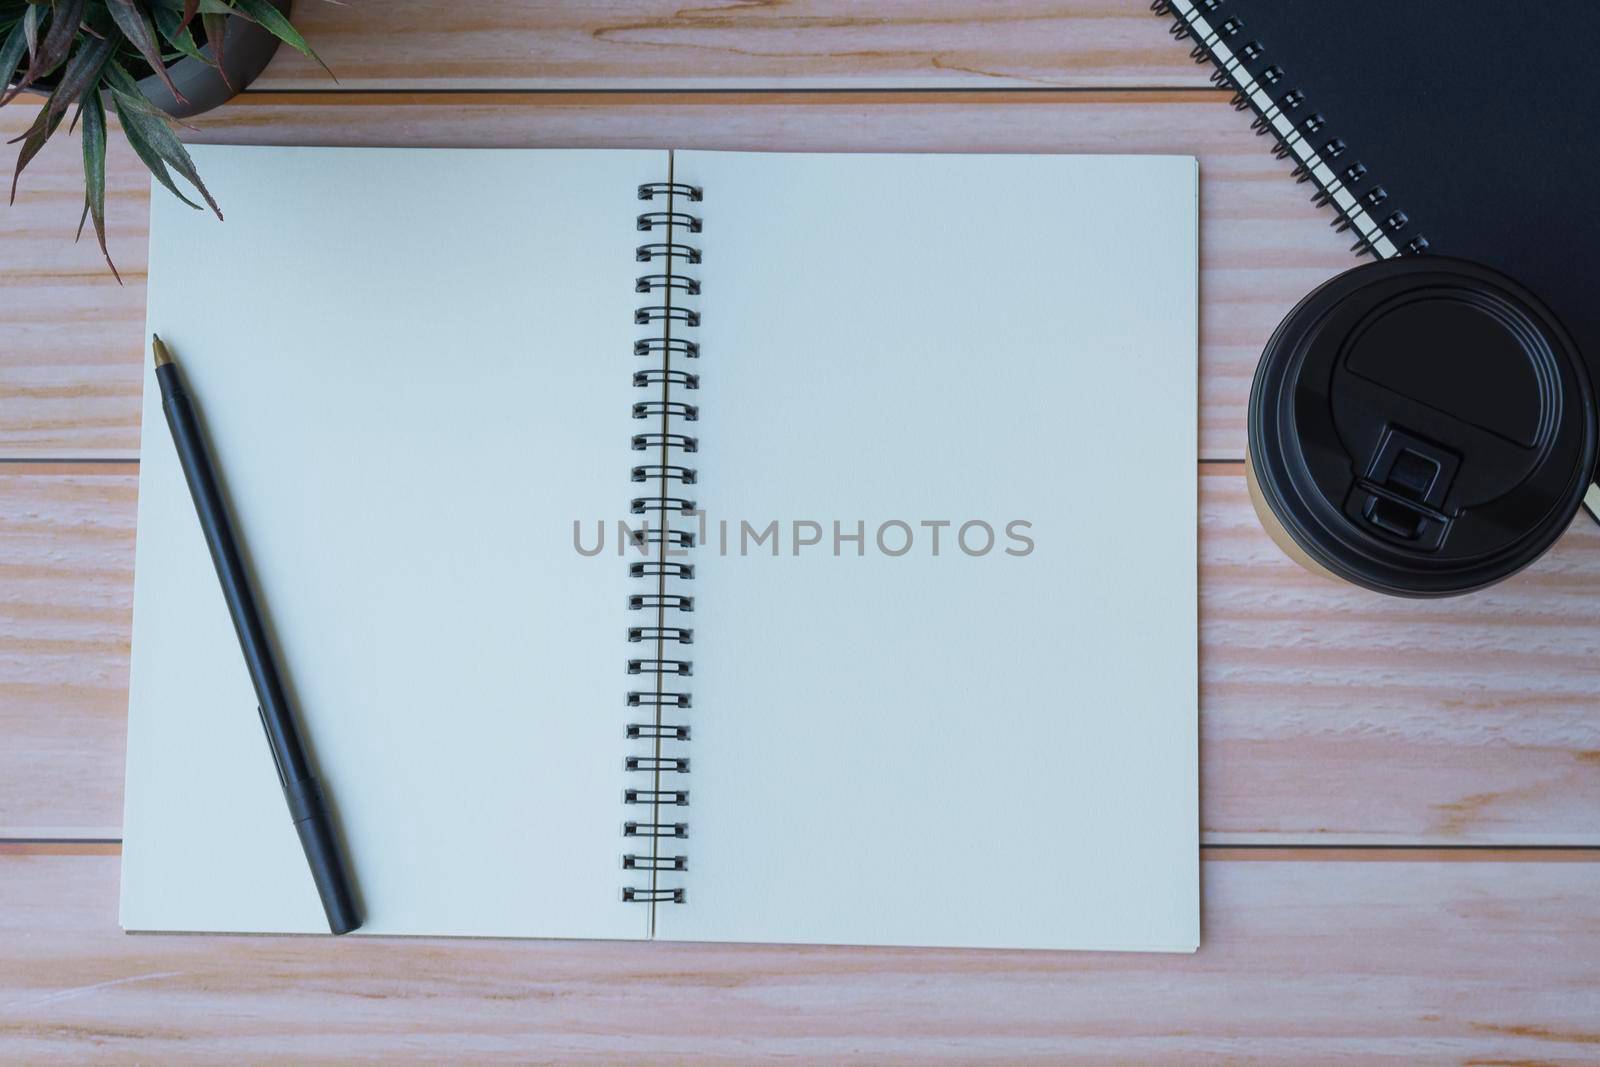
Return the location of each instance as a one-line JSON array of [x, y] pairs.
[[1360, 204], [658, 667]]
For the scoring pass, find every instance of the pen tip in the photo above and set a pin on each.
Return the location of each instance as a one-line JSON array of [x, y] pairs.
[[160, 350]]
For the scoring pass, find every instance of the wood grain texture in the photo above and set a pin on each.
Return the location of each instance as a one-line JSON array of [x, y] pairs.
[[1262, 244], [66, 593], [70, 336], [1327, 714], [1305, 957], [733, 44]]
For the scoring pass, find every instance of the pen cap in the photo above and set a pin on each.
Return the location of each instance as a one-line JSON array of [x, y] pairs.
[[1420, 426], [315, 826]]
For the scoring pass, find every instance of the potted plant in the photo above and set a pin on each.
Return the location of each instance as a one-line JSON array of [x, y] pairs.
[[145, 61]]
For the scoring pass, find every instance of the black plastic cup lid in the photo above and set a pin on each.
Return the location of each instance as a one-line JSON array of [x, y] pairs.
[[1422, 426]]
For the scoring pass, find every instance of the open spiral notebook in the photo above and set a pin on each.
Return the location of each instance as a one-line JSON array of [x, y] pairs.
[[689, 545]]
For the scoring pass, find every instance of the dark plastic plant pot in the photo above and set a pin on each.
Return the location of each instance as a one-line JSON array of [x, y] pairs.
[[247, 50], [245, 54]]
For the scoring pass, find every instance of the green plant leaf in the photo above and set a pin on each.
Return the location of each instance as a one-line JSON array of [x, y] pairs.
[[30, 27], [121, 85], [155, 143], [58, 37], [94, 171], [53, 47], [204, 7], [119, 81], [96, 22], [11, 53], [216, 35], [260, 11], [190, 9], [33, 139], [216, 27], [176, 32], [82, 71], [136, 27], [144, 150]]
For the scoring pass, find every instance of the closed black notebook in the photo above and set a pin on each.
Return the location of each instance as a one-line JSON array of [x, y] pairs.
[[1467, 128]]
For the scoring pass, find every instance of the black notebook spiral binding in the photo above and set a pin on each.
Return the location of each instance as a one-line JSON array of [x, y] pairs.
[[660, 666], [1361, 205]]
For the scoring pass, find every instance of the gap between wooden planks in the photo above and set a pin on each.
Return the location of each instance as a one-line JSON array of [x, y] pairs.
[[773, 97]]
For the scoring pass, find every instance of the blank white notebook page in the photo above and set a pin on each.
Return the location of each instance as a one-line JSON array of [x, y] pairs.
[[897, 747], [411, 365]]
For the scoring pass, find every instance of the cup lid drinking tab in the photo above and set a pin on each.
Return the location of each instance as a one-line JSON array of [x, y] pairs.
[[1422, 426]]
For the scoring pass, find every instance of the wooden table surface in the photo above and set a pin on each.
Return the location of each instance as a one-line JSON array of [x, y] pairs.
[[1399, 799]]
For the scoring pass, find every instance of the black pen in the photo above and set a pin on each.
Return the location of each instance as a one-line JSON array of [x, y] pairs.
[[300, 788]]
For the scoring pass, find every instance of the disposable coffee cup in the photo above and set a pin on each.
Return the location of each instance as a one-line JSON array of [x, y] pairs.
[[1421, 427]]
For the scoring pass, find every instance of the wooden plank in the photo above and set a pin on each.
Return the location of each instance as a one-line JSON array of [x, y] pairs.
[[1331, 713], [1328, 713], [734, 44], [69, 376], [1305, 958], [66, 594], [73, 382]]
